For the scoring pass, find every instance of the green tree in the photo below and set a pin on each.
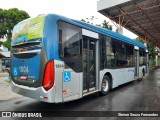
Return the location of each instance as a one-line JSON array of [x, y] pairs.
[[139, 39], [83, 20], [151, 48], [8, 19], [104, 24], [99, 25], [7, 44]]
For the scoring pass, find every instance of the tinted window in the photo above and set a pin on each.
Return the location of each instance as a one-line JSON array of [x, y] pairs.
[[142, 57], [115, 53], [70, 45], [129, 55], [107, 52], [120, 54], [26, 50]]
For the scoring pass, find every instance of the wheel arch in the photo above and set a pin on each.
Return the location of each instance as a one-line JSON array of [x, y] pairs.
[[110, 77]]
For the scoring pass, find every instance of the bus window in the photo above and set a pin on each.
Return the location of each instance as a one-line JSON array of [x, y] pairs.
[[70, 45], [142, 58], [27, 50], [129, 55], [107, 52], [120, 55]]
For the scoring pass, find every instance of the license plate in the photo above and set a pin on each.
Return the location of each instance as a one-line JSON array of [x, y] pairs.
[[24, 77]]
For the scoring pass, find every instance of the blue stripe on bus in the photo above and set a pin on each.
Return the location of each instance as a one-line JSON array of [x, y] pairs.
[[51, 34], [50, 37]]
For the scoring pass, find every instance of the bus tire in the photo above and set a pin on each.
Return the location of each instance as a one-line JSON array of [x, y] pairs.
[[105, 86]]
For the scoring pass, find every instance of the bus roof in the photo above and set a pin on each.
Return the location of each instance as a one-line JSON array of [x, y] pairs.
[[100, 30]]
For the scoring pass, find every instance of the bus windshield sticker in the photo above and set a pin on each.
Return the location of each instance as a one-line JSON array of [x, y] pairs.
[[67, 76]]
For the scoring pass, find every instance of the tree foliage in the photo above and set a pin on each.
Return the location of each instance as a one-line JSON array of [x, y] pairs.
[[139, 39], [151, 48], [8, 19], [104, 24], [152, 51], [7, 43], [83, 20]]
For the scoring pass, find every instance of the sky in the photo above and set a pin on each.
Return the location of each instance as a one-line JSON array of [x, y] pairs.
[[75, 9]]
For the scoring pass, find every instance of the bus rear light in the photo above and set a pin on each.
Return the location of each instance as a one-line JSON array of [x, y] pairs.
[[49, 74]]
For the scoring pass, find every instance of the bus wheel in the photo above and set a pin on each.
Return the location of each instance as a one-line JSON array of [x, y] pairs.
[[105, 86]]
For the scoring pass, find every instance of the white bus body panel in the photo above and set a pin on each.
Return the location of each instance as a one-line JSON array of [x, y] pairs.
[[136, 47], [90, 33], [67, 91], [58, 80], [72, 89], [119, 76]]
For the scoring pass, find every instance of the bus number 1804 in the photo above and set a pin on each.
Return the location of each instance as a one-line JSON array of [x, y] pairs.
[[23, 69]]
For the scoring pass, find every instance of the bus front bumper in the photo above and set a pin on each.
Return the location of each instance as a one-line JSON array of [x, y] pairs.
[[35, 93]]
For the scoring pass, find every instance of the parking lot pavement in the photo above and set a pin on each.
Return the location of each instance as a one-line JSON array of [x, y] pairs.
[[5, 89], [135, 96]]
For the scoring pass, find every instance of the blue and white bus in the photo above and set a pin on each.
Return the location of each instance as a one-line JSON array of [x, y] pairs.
[[56, 59]]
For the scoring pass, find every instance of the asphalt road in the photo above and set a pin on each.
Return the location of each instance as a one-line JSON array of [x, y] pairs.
[[134, 96]]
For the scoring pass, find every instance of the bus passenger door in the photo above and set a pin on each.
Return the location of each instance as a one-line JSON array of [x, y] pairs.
[[136, 62], [89, 64]]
